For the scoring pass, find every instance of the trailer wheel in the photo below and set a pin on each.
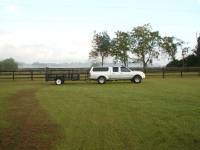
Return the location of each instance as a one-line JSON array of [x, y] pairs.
[[59, 81]]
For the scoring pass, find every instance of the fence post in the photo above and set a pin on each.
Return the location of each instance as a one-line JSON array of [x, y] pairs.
[[46, 74], [181, 73], [13, 75], [32, 75], [87, 75], [163, 73]]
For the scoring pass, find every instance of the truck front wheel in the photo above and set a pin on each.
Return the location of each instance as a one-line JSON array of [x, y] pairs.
[[137, 79]]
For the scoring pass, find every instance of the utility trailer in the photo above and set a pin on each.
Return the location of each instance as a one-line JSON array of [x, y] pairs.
[[59, 76]]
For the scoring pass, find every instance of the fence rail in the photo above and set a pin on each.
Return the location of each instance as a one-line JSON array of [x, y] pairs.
[[39, 73]]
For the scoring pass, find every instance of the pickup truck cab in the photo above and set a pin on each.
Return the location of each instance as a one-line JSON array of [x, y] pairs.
[[102, 74]]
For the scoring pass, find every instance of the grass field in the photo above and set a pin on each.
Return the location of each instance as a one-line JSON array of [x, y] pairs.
[[155, 115]]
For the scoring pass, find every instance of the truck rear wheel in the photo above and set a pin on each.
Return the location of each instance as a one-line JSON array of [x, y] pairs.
[[101, 80]]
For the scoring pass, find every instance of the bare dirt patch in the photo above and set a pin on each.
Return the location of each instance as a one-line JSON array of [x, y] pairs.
[[31, 127]]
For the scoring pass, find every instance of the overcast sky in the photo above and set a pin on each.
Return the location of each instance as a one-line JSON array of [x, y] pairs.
[[60, 31]]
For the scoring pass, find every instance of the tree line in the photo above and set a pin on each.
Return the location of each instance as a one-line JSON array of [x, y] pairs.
[[192, 60], [141, 44]]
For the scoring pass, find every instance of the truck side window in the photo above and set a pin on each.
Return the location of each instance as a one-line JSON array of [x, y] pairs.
[[115, 69], [100, 69], [124, 69]]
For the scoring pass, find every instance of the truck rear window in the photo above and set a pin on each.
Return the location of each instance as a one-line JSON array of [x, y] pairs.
[[100, 69], [115, 69]]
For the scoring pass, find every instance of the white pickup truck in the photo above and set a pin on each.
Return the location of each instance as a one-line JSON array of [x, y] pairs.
[[102, 74]]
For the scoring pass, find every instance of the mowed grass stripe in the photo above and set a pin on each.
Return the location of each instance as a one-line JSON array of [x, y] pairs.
[[29, 126]]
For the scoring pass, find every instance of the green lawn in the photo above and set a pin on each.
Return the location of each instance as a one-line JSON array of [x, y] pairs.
[[159, 114]]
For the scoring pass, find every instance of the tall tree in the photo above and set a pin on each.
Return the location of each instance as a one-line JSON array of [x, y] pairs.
[[145, 44], [101, 46], [197, 51], [121, 47], [170, 46]]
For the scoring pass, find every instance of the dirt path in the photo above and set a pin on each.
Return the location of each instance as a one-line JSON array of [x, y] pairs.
[[31, 127]]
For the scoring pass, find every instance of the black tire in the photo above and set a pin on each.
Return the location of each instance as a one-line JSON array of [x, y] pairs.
[[137, 79], [59, 81], [101, 80]]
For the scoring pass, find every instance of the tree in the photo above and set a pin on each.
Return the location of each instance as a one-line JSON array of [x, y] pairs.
[[197, 51], [101, 46], [121, 47], [8, 65], [170, 46], [145, 44]]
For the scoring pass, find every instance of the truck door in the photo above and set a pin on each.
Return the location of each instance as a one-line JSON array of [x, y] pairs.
[[125, 73], [115, 73]]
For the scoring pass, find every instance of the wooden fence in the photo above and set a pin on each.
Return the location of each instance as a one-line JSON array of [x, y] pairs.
[[39, 73]]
